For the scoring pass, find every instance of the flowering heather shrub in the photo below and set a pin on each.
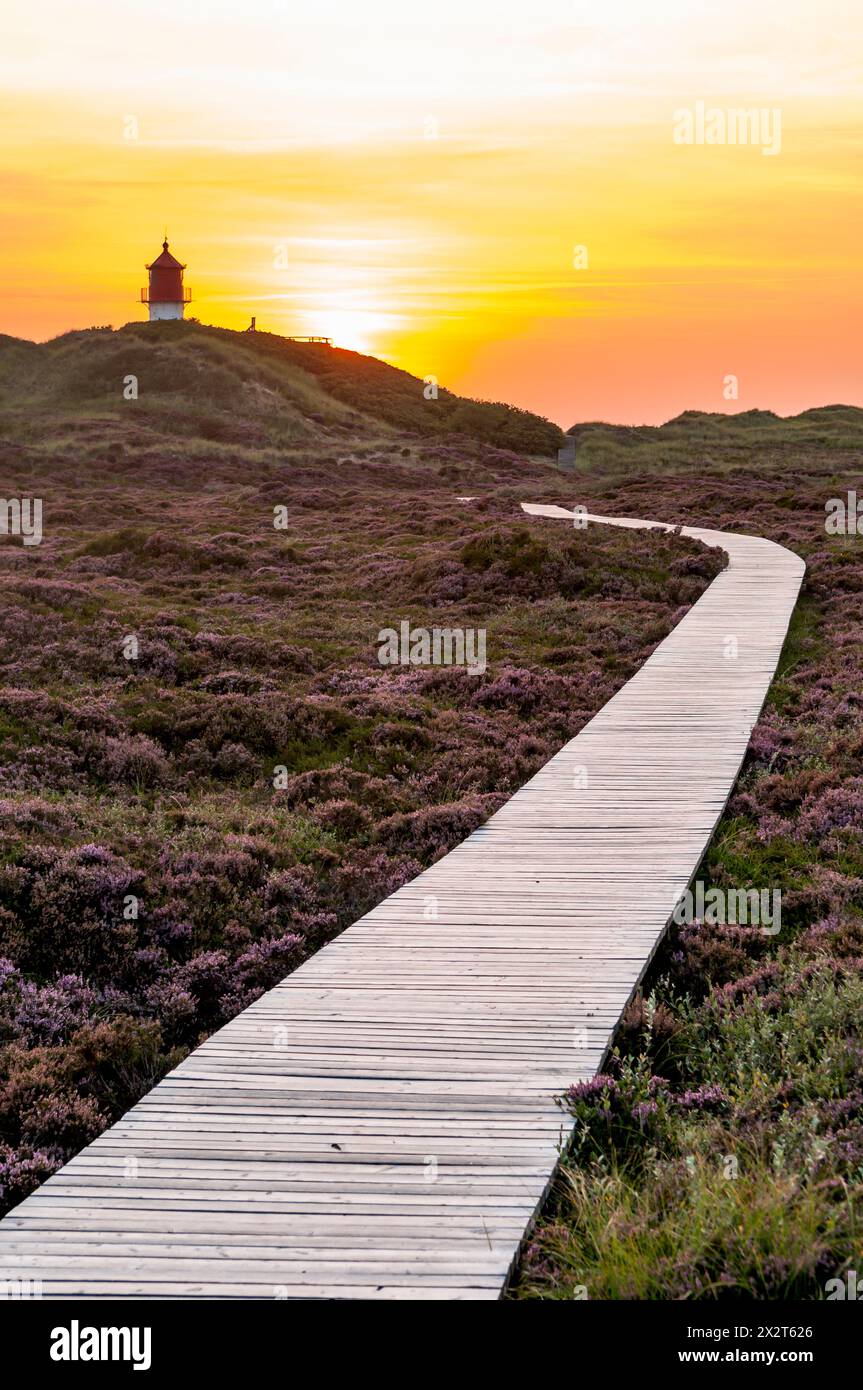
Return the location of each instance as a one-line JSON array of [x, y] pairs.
[[524, 691], [153, 879], [25, 1168], [428, 833], [837, 809], [136, 759], [38, 1014], [609, 1110], [344, 817]]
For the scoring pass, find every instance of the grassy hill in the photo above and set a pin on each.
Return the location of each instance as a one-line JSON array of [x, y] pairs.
[[256, 389], [698, 439]]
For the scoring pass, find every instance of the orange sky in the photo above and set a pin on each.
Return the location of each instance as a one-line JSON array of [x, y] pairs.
[[414, 181]]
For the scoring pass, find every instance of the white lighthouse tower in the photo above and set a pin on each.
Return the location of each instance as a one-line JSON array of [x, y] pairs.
[[166, 294]]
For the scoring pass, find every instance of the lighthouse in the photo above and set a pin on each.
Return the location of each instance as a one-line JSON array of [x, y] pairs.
[[165, 294]]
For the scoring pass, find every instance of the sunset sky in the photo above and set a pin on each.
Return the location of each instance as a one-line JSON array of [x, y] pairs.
[[414, 181]]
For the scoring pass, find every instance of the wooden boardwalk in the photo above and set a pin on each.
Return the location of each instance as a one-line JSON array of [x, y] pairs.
[[382, 1124]]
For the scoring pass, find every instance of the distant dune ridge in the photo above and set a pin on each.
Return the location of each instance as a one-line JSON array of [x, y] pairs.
[[696, 437]]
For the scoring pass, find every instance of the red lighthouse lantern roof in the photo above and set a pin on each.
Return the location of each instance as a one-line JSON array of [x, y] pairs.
[[166, 261]]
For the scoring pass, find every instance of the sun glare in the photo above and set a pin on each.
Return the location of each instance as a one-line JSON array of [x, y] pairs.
[[359, 330]]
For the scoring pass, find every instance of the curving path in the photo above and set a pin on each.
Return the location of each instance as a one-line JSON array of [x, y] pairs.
[[382, 1124]]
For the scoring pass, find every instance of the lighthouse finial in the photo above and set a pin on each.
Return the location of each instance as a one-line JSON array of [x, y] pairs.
[[165, 242]]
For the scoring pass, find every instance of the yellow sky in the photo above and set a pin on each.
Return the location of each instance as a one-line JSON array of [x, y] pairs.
[[489, 193]]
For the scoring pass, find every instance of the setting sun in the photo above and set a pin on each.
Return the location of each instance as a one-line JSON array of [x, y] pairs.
[[360, 330]]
